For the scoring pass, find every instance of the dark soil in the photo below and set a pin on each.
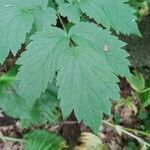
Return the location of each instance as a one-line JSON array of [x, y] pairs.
[[139, 47]]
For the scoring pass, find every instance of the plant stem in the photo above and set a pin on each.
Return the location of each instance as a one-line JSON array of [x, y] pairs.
[[61, 21], [12, 139], [5, 138], [137, 131], [124, 130], [129, 129]]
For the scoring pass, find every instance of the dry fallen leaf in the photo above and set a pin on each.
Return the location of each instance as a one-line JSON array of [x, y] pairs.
[[90, 141]]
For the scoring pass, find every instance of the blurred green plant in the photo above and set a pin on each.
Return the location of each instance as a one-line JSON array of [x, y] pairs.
[[144, 118], [142, 7], [140, 87], [131, 145], [43, 140]]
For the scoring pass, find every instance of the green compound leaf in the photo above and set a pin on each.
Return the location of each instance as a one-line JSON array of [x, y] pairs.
[[106, 45], [85, 79], [84, 62], [15, 22], [36, 72], [43, 140], [72, 12], [86, 83], [111, 14]]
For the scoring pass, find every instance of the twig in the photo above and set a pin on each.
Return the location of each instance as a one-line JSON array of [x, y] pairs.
[[61, 21], [123, 130], [63, 25], [12, 139], [137, 131], [5, 138]]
